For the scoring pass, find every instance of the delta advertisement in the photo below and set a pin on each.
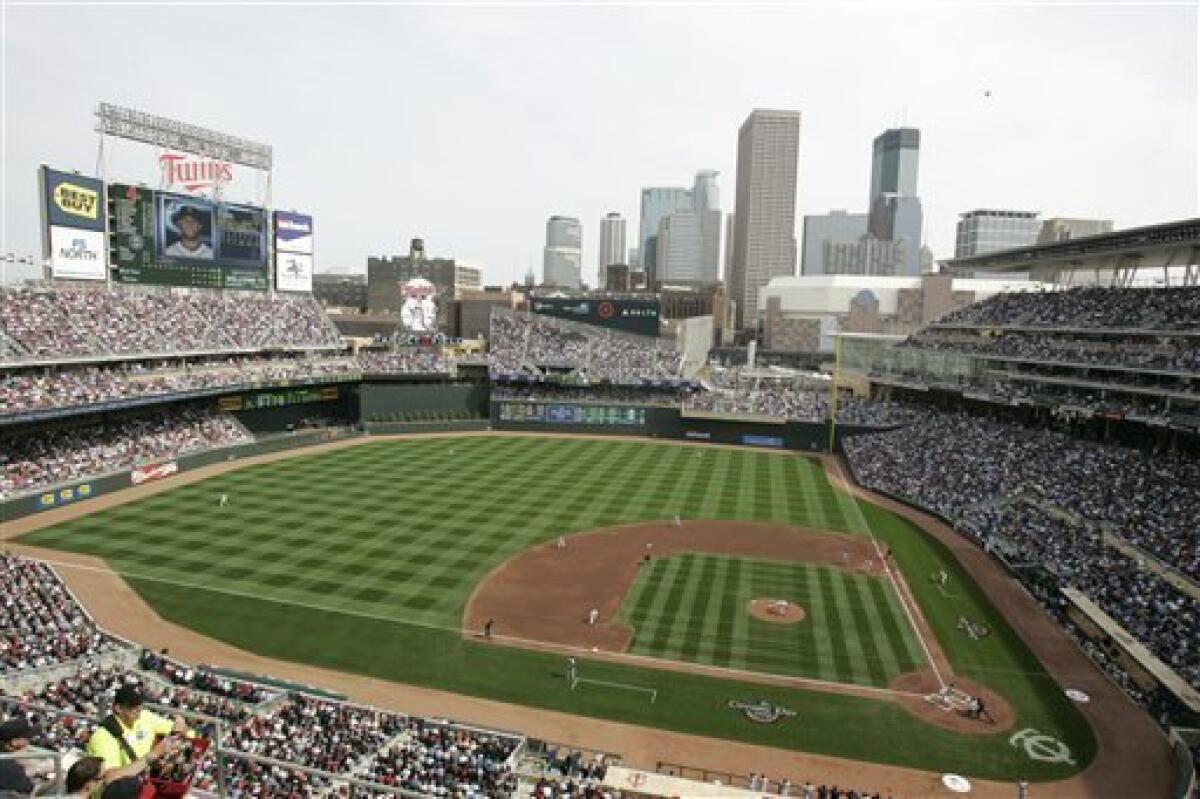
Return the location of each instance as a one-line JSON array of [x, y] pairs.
[[73, 208], [638, 316], [293, 251]]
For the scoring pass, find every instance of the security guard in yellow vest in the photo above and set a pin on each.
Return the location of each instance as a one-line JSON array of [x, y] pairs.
[[129, 732]]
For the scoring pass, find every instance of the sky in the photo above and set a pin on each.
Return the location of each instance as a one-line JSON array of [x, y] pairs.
[[469, 124]]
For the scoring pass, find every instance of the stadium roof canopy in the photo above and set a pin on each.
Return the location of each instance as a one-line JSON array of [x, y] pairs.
[[1116, 258]]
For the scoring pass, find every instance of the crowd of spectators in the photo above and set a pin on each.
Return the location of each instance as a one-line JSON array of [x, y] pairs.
[[1087, 307], [441, 760], [61, 321], [89, 690], [40, 623], [782, 399], [203, 680], [331, 736], [1051, 499], [404, 362], [48, 457], [1181, 355], [23, 390], [526, 343]]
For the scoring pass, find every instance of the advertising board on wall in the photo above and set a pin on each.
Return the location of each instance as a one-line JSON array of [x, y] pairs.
[[157, 471], [293, 232], [77, 254], [639, 316], [293, 251], [73, 232], [293, 271]]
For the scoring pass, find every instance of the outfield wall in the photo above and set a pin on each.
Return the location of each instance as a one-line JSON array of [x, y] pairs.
[[406, 400], [624, 419]]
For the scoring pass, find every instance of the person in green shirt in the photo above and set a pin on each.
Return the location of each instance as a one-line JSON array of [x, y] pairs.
[[130, 731]]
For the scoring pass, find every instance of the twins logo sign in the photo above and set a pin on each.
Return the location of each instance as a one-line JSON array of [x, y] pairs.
[[762, 711]]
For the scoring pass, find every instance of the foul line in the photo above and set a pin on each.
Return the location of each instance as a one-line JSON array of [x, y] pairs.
[[661, 664], [901, 594]]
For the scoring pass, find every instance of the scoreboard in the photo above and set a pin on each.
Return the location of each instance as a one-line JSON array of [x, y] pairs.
[[147, 233], [564, 413]]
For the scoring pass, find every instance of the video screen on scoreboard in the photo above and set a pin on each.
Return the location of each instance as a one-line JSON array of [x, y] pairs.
[[186, 228], [176, 240]]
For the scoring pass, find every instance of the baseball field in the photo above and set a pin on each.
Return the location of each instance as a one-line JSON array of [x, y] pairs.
[[382, 559]]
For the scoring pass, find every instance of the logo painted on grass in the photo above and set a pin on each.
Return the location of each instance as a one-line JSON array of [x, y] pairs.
[[762, 711], [1045, 748]]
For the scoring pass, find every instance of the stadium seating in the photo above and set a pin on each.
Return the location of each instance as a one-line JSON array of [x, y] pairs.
[[528, 343], [58, 321], [1050, 499], [40, 623], [736, 391], [49, 457], [1087, 307]]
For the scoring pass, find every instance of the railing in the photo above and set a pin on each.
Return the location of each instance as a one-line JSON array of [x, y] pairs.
[[59, 783], [703, 774]]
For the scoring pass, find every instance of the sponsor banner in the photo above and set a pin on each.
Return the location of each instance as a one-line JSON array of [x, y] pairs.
[[145, 474], [698, 436], [640, 316], [293, 232], [293, 271], [77, 254], [763, 441], [73, 200], [64, 496]]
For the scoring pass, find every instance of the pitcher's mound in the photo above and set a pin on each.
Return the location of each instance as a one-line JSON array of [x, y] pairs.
[[776, 611]]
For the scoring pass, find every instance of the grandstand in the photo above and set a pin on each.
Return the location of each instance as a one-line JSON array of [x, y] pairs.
[[1055, 430]]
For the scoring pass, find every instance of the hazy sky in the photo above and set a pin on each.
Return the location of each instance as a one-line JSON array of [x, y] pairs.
[[468, 125]]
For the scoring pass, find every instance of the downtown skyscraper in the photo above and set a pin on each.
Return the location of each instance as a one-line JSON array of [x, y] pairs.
[[562, 259], [764, 230]]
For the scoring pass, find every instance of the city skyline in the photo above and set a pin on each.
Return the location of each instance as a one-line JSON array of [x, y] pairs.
[[443, 147]]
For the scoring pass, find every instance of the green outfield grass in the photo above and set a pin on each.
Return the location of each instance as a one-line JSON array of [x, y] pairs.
[[362, 560], [693, 607]]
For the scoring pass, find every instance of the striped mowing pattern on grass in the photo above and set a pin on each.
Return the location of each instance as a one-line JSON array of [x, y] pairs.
[[693, 607], [405, 530]]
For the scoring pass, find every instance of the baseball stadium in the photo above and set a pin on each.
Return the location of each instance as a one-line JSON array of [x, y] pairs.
[[261, 540]]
